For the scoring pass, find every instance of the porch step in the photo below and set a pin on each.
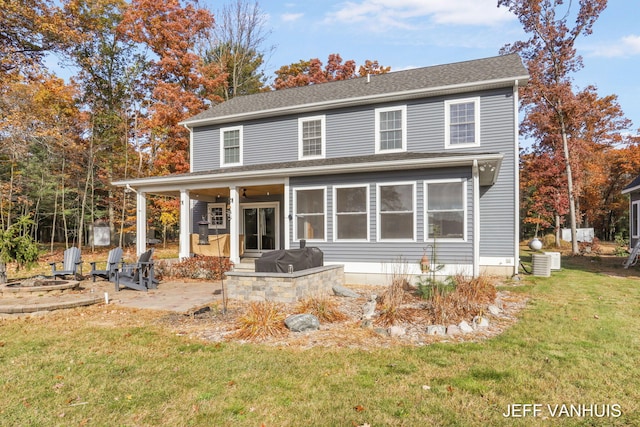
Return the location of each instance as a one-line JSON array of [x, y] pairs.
[[246, 264]]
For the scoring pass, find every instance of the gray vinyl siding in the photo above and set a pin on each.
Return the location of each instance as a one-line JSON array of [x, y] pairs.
[[386, 252], [498, 202], [351, 132], [633, 197]]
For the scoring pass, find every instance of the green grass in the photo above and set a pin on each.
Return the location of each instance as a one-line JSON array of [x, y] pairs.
[[577, 343]]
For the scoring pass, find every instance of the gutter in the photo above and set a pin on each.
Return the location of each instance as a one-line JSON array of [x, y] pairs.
[[205, 179], [361, 100]]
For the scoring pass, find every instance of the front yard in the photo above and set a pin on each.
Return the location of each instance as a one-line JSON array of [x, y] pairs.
[[575, 344]]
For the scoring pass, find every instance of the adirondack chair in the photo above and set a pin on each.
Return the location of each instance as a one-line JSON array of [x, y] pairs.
[[113, 259], [70, 263], [139, 275]]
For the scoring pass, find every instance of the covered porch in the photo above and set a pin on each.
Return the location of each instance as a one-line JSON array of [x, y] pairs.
[[249, 214]]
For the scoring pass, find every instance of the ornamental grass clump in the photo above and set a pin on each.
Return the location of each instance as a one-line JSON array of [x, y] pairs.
[[324, 308], [469, 299], [262, 320]]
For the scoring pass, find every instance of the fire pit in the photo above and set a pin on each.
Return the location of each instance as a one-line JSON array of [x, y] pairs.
[[39, 285]]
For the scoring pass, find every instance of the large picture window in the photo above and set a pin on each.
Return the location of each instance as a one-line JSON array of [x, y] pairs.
[[351, 213], [396, 211], [311, 131], [462, 122], [391, 129], [310, 208], [445, 210], [231, 146]]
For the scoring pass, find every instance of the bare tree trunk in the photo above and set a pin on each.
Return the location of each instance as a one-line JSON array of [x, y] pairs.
[[62, 206], [53, 222], [575, 250], [558, 231]]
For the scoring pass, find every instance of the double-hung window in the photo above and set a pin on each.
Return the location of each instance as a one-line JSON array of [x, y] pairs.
[[396, 211], [391, 129], [351, 212], [231, 146], [445, 209], [310, 208], [462, 123], [311, 137]]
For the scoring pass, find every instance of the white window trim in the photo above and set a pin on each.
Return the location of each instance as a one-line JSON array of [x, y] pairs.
[[241, 136], [378, 211], [213, 226], [447, 122], [464, 207], [295, 213], [635, 204], [403, 109], [335, 213], [323, 136]]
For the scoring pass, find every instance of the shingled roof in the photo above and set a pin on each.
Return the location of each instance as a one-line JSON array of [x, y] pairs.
[[497, 71]]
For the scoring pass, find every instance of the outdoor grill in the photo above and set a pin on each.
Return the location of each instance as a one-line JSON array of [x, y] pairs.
[[289, 260]]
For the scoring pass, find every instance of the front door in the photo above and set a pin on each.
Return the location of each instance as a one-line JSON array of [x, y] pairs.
[[260, 227]]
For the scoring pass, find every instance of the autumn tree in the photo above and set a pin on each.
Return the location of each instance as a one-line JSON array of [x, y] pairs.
[[29, 29], [236, 45], [181, 83], [304, 73], [549, 100]]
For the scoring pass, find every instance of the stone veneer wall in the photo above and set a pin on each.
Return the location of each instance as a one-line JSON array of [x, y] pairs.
[[283, 287]]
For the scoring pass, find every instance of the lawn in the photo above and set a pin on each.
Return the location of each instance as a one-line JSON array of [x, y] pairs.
[[576, 343]]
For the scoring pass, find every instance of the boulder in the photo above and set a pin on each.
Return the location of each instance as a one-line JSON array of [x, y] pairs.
[[341, 291], [302, 323]]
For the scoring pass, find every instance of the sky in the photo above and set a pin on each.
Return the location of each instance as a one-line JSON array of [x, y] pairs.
[[406, 34]]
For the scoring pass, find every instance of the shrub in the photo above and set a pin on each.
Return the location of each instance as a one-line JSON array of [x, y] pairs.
[[261, 320], [324, 308], [200, 267]]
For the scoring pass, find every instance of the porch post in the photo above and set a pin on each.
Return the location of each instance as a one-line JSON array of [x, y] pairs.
[[287, 221], [185, 225], [234, 226], [141, 223], [476, 219]]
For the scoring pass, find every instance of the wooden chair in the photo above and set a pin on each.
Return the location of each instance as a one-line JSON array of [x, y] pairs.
[[109, 273], [139, 275], [71, 261]]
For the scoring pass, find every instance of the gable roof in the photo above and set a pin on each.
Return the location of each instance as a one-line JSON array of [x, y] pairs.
[[632, 186], [486, 73]]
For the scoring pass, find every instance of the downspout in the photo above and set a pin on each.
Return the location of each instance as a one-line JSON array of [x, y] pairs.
[[516, 166], [476, 219]]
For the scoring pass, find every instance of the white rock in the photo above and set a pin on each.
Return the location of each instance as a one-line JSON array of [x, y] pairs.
[[436, 330], [397, 331], [453, 330], [480, 322], [465, 327], [494, 310]]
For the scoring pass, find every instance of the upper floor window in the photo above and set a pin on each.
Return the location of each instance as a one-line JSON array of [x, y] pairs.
[[391, 129], [231, 146], [351, 212], [396, 211], [311, 137], [462, 123], [445, 209]]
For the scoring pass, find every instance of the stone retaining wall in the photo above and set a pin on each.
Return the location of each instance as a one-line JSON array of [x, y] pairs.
[[283, 287]]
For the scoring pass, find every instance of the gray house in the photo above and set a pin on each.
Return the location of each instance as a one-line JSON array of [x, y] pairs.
[[633, 190], [371, 170]]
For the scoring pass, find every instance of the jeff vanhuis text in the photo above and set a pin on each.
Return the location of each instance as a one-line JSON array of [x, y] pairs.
[[522, 410]]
